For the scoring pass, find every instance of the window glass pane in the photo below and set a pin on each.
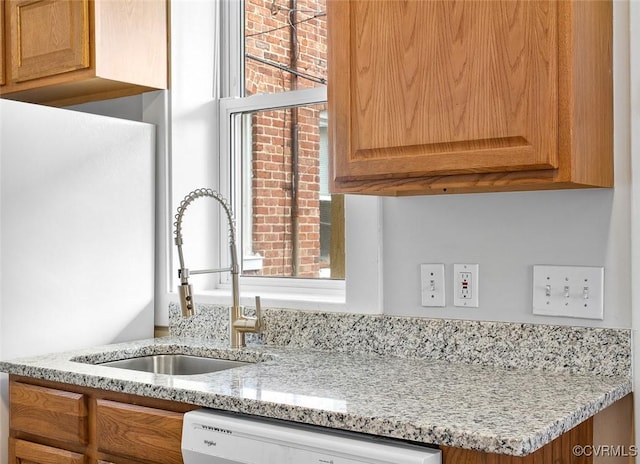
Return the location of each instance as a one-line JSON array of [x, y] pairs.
[[285, 45], [288, 215]]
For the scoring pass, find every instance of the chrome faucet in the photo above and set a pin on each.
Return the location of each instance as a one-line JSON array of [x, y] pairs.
[[240, 324]]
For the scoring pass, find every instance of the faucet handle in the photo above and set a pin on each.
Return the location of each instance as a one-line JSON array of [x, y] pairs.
[[258, 313]]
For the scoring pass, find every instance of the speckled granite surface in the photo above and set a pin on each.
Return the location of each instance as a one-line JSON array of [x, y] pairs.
[[509, 411], [579, 350]]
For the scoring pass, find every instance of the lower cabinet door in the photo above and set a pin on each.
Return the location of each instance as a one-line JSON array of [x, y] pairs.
[[139, 432], [48, 412], [25, 452]]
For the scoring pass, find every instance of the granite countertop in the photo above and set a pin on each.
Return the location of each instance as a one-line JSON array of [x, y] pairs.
[[492, 409]]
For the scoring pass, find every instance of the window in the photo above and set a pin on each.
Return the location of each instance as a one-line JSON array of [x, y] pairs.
[[274, 125], [201, 127]]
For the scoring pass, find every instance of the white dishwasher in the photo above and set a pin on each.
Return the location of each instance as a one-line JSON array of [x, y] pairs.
[[212, 437]]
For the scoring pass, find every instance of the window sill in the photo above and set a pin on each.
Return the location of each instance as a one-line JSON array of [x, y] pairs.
[[300, 298]]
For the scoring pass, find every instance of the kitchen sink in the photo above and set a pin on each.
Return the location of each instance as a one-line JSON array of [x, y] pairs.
[[175, 364]]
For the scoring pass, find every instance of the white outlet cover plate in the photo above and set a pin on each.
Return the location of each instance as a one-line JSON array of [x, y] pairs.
[[432, 295], [584, 286], [470, 298]]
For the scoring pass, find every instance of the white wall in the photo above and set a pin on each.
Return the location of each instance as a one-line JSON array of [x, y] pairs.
[[4, 413], [506, 234], [77, 243], [77, 246]]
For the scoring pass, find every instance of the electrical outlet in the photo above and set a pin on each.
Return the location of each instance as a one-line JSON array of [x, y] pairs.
[[432, 285], [465, 285], [569, 291]]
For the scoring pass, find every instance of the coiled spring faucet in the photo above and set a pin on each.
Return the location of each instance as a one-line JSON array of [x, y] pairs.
[[240, 324]]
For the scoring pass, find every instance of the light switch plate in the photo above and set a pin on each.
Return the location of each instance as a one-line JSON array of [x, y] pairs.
[[568, 291], [432, 285]]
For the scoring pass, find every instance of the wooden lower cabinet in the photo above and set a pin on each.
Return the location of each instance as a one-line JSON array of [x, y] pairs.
[[138, 432], [57, 414], [25, 452], [55, 423]]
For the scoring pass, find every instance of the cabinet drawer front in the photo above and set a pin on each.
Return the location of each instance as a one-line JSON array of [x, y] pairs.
[[24, 452], [47, 412], [139, 432]]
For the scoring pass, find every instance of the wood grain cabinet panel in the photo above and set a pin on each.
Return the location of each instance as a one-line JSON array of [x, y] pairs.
[[48, 37], [47, 412], [475, 95], [2, 45], [139, 432], [24, 452], [63, 52]]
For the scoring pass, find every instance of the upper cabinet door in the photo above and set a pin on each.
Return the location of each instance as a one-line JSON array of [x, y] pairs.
[[65, 52], [2, 45], [456, 96], [48, 37]]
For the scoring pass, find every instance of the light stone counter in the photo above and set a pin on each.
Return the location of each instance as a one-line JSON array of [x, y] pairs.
[[467, 405]]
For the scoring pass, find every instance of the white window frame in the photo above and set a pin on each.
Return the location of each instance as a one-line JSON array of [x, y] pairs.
[[230, 109], [234, 103], [361, 291]]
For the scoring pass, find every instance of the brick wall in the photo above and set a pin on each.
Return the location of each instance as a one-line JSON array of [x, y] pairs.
[[278, 222]]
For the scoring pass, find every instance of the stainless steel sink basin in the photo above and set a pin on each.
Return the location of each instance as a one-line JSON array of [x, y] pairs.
[[175, 364]]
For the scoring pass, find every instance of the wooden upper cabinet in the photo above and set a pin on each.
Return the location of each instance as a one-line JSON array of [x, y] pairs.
[[48, 37], [470, 95], [62, 52], [2, 44]]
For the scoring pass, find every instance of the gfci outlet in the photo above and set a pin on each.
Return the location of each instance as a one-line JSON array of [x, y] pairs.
[[465, 285], [432, 284], [569, 291]]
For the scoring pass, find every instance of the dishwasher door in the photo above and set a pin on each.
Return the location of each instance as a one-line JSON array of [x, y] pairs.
[[212, 437]]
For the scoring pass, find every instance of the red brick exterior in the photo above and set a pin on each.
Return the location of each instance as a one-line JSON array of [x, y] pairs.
[[274, 214]]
